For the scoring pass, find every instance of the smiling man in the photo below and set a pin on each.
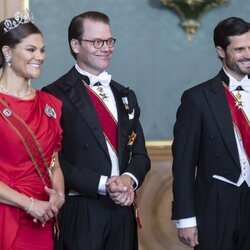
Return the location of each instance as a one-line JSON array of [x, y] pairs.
[[103, 158], [211, 150]]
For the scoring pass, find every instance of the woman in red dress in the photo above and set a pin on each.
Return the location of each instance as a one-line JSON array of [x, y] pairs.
[[31, 181]]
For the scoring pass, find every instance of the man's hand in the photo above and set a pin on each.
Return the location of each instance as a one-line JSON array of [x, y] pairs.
[[188, 236], [120, 189]]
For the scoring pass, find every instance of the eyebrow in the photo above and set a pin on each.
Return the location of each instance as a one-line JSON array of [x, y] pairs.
[[33, 46]]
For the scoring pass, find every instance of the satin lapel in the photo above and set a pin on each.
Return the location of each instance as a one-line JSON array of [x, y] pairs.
[[218, 103], [81, 100], [122, 121]]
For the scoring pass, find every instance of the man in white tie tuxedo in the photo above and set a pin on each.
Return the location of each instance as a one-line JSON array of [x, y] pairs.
[[211, 150], [103, 158]]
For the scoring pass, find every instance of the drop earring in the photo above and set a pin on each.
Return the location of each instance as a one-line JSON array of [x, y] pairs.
[[8, 60]]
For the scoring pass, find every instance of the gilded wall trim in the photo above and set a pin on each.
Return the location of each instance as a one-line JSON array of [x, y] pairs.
[[159, 150]]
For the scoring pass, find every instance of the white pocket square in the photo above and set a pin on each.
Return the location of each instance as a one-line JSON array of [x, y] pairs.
[[131, 115]]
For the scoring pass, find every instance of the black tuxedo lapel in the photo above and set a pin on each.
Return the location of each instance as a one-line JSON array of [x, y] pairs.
[[217, 100], [122, 120], [76, 92]]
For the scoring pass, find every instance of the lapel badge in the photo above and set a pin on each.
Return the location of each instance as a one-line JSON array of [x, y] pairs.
[[131, 138], [125, 102], [49, 111], [7, 112]]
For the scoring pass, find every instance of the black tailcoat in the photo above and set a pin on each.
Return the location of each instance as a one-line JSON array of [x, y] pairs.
[[84, 156], [204, 145]]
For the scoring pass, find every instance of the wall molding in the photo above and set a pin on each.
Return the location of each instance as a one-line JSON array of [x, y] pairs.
[[159, 150]]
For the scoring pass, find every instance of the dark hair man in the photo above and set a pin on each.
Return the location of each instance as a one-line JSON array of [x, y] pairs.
[[103, 156], [211, 149]]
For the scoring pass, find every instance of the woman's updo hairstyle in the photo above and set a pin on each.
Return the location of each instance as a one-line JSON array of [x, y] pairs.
[[14, 30]]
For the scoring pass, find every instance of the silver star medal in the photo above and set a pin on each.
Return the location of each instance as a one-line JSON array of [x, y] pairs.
[[49, 111]]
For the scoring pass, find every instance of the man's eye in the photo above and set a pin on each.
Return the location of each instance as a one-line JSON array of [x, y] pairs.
[[98, 42]]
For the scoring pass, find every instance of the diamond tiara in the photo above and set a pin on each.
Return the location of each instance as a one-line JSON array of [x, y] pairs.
[[19, 18]]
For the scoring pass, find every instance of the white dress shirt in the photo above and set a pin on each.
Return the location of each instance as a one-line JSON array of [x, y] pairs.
[[244, 163]]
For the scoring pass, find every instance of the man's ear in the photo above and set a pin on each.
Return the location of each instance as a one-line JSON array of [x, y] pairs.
[[74, 43], [221, 52]]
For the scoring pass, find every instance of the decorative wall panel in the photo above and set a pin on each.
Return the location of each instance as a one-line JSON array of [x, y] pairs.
[[158, 232]]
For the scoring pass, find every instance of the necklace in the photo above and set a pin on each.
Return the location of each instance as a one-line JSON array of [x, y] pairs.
[[6, 91]]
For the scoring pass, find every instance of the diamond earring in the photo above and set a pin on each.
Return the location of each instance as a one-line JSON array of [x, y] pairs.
[[8, 60]]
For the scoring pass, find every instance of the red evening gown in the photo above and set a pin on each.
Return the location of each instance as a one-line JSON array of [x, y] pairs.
[[17, 229]]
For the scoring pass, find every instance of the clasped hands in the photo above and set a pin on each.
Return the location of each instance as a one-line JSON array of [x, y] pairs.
[[120, 189], [43, 211]]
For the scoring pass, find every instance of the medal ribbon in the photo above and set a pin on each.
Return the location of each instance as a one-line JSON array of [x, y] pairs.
[[108, 122]]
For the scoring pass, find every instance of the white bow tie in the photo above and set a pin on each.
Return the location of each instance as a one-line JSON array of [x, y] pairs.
[[104, 78], [245, 86]]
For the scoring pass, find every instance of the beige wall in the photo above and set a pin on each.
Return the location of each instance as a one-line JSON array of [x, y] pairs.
[[9, 7]]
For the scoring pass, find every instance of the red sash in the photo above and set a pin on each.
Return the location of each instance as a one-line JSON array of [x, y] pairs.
[[239, 119], [28, 138], [110, 128], [108, 122]]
